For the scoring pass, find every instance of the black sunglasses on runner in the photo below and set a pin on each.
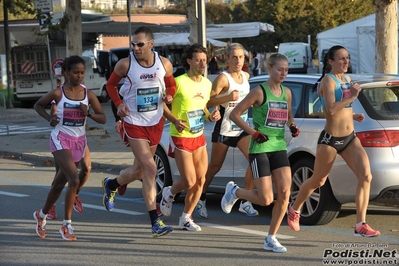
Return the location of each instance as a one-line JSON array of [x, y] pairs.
[[140, 44]]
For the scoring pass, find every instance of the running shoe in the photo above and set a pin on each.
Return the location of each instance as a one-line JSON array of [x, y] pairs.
[[159, 210], [122, 189], [109, 195], [188, 224], [77, 205], [160, 229], [52, 215], [293, 218], [201, 210], [229, 197], [66, 232], [40, 224], [248, 209], [272, 244], [366, 231], [166, 202]]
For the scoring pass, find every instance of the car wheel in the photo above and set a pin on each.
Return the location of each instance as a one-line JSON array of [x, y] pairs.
[[103, 98], [163, 177], [321, 207]]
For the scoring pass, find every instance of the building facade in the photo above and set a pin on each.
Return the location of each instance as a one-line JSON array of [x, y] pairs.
[[117, 4]]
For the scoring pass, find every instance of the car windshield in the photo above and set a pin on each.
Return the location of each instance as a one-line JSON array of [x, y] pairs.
[[380, 96]]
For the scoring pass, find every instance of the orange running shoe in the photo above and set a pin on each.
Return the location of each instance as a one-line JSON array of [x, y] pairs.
[[66, 232], [293, 218], [40, 224], [52, 215], [77, 205], [159, 210], [366, 231], [122, 189]]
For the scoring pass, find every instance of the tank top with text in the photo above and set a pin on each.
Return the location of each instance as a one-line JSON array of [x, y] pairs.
[[72, 119], [189, 103], [142, 92], [228, 127], [270, 119]]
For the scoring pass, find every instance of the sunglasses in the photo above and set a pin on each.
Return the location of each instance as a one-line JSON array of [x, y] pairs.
[[140, 44]]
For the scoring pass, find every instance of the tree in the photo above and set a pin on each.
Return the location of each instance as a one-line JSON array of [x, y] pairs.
[[73, 29], [386, 36]]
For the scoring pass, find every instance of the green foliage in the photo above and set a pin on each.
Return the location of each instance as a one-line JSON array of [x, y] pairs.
[[19, 9], [293, 20]]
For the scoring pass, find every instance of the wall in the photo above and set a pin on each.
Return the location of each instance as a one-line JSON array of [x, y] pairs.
[[107, 43]]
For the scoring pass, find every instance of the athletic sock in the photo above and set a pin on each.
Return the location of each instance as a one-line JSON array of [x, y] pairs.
[[113, 184], [66, 222], [359, 224], [42, 215], [203, 197], [186, 216], [153, 216]]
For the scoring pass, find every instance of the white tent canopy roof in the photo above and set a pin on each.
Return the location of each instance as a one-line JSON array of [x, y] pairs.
[[237, 30], [180, 39]]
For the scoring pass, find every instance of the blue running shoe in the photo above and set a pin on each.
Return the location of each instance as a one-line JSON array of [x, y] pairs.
[[109, 195], [272, 244], [160, 229], [248, 209], [229, 197]]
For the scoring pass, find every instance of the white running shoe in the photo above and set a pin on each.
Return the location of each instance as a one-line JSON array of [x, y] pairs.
[[188, 224], [166, 202], [272, 244], [201, 210], [229, 197], [248, 209]]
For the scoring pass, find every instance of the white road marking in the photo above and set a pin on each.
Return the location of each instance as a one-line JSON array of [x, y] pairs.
[[242, 230], [96, 207], [13, 194]]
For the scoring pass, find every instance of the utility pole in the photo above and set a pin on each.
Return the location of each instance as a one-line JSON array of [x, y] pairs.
[[7, 46]]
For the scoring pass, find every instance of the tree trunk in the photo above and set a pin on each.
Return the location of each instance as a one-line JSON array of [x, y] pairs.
[[386, 36], [73, 29], [193, 20]]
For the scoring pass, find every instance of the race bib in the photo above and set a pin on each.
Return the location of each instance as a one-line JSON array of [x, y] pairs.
[[147, 99], [346, 93], [277, 115], [196, 120], [72, 115], [244, 117]]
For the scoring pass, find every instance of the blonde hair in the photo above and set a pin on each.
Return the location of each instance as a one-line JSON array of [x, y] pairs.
[[272, 60]]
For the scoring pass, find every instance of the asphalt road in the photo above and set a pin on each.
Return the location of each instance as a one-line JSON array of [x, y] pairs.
[[123, 236]]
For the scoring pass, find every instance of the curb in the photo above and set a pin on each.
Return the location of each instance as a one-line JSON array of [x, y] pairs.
[[43, 158]]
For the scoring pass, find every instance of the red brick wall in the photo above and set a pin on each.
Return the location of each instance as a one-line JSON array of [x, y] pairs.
[[113, 42]]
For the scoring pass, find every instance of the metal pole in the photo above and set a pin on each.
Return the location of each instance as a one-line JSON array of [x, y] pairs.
[[201, 24], [49, 62], [7, 46], [130, 26]]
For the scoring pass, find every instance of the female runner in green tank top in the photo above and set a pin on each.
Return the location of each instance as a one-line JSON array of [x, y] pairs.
[[271, 111]]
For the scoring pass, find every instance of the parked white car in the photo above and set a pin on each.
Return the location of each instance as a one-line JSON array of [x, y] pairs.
[[379, 134]]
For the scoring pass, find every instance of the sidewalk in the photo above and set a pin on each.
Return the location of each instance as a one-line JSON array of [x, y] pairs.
[[106, 148]]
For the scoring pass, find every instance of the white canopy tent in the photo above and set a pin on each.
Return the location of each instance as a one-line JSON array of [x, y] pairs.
[[344, 35], [180, 39], [237, 30]]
